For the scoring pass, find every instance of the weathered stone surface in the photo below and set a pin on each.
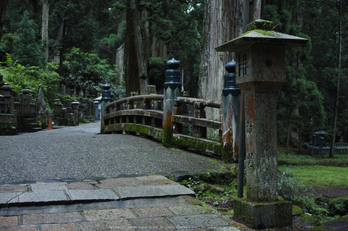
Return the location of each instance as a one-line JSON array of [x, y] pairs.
[[188, 210], [6, 197], [20, 228], [48, 187], [120, 224], [81, 185], [153, 191], [95, 194], [108, 214], [197, 221], [65, 227], [13, 188], [154, 182], [51, 218], [152, 177], [8, 221], [153, 212], [156, 223], [116, 182], [263, 215], [44, 196]]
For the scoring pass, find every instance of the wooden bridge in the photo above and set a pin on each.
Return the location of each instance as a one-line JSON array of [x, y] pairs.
[[144, 114]]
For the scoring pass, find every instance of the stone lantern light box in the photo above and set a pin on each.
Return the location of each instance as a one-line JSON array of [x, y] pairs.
[[260, 56]]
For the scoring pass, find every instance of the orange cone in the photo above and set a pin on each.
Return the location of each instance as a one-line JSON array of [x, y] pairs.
[[50, 125]]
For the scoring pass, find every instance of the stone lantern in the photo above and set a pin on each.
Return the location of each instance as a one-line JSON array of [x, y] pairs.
[[260, 55]]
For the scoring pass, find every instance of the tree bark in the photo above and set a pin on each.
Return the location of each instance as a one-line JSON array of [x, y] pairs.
[[132, 71], [44, 34], [332, 149], [137, 49], [288, 140], [222, 22], [3, 5]]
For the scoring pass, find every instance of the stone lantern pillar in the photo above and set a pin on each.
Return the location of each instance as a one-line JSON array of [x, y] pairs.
[[260, 54], [230, 114], [75, 106], [171, 91]]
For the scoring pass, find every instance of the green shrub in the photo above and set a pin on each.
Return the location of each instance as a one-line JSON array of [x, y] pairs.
[[338, 206]]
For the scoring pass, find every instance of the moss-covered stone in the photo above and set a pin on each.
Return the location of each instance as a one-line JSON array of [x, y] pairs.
[[297, 211], [260, 215]]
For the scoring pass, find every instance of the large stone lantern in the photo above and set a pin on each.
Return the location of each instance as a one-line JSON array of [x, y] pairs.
[[260, 55]]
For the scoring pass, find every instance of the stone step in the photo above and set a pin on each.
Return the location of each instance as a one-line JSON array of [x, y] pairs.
[[82, 192]]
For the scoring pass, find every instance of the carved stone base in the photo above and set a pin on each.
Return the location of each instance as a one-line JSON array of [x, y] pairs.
[[259, 215]]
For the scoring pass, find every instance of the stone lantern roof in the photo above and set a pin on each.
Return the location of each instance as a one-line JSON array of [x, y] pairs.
[[262, 31]]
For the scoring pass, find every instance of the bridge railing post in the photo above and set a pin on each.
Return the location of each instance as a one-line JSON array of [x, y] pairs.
[[230, 114], [171, 91], [106, 97]]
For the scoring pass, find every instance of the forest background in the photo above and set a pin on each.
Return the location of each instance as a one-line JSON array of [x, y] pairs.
[[126, 43]]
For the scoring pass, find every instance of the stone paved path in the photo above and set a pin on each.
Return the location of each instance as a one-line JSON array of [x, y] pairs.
[[79, 153], [137, 203], [74, 179]]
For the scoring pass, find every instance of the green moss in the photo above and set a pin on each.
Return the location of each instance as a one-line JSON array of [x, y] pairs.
[[203, 205], [305, 218], [167, 136], [297, 211], [201, 145]]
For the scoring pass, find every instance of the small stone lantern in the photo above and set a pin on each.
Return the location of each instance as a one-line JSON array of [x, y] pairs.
[[260, 55]]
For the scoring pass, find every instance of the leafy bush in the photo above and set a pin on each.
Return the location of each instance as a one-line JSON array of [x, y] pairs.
[[32, 77], [338, 206], [300, 194]]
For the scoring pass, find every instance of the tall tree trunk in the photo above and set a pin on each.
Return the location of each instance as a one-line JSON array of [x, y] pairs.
[[288, 140], [3, 5], [60, 38], [222, 22], [332, 149], [132, 71], [44, 34], [120, 52], [137, 49]]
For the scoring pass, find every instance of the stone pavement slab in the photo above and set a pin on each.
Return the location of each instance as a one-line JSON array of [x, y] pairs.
[[136, 207], [90, 194], [48, 187], [40, 196], [53, 218], [153, 191], [188, 210], [65, 227], [152, 212], [13, 188], [108, 214], [119, 224], [197, 221], [8, 196], [8, 221], [153, 223]]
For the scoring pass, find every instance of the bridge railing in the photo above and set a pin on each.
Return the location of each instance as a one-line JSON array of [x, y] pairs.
[[138, 114], [166, 118], [196, 124], [143, 114]]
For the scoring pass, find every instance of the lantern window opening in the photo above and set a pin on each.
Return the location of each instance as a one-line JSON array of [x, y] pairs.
[[243, 64]]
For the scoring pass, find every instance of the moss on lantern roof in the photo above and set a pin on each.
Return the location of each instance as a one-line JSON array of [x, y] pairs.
[[259, 34]]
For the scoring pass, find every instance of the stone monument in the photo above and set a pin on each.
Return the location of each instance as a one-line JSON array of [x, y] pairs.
[[260, 55]]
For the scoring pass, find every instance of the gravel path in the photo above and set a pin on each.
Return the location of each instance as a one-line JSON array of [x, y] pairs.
[[79, 153]]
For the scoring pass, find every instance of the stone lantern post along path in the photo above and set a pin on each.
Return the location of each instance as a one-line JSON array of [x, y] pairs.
[[172, 86], [260, 55]]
